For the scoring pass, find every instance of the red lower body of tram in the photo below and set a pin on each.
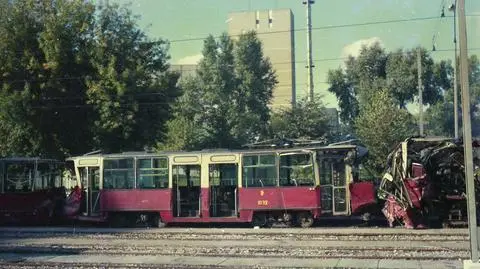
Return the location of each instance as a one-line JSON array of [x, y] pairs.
[[261, 206], [34, 207]]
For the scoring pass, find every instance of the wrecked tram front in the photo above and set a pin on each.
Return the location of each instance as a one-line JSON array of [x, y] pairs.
[[424, 184]]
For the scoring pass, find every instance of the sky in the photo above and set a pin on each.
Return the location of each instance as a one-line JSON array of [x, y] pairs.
[[339, 28]]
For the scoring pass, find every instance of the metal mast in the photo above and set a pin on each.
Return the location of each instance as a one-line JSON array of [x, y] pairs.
[[309, 50], [420, 91], [453, 8], [467, 134]]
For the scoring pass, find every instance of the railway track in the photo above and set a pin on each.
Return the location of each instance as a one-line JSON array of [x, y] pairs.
[[39, 265], [244, 244], [229, 236], [242, 251]]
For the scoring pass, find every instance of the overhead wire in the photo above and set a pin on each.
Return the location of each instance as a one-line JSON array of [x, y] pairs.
[[192, 70], [441, 13], [314, 28], [277, 63], [324, 27]]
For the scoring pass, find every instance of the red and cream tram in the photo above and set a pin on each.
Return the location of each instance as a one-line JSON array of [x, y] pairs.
[[294, 185]]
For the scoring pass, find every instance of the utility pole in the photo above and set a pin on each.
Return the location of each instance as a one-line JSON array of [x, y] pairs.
[[467, 137], [309, 49], [453, 7], [420, 91]]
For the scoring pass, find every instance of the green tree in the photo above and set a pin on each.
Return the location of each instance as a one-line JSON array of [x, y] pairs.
[[256, 80], [440, 119], [346, 94], [358, 81], [74, 77], [380, 125], [402, 76], [185, 129], [375, 70], [306, 120], [43, 63], [130, 90], [226, 103], [474, 80], [440, 116]]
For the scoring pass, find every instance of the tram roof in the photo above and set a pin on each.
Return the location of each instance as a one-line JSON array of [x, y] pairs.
[[29, 159], [211, 151], [438, 139]]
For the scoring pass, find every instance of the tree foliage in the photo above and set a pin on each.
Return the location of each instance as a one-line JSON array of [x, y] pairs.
[[131, 89], [440, 116], [74, 77], [226, 103], [306, 120], [380, 125], [375, 70], [377, 81]]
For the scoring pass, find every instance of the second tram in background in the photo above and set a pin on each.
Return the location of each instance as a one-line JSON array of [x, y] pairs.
[[32, 190], [291, 185]]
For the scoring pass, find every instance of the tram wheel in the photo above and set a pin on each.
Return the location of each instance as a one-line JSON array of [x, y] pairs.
[[259, 219], [157, 221], [305, 220], [119, 221]]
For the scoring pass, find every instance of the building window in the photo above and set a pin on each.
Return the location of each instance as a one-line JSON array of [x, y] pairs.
[[152, 173], [118, 173], [259, 171]]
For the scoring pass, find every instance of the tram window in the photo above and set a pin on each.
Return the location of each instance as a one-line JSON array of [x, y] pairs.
[[186, 175], [45, 177], [223, 174], [19, 178], [152, 173], [69, 179], [259, 171], [339, 173], [296, 170], [118, 174], [326, 171]]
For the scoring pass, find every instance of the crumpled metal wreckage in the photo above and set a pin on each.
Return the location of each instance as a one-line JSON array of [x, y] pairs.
[[424, 184]]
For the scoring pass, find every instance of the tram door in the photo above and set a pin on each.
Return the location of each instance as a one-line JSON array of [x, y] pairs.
[[90, 177], [333, 183], [186, 190], [223, 181]]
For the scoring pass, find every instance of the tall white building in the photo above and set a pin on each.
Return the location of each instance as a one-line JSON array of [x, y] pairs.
[[275, 30]]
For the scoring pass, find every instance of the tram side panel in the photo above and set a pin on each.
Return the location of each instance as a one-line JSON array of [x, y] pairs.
[[136, 200], [31, 191], [298, 184], [136, 187], [30, 207], [341, 192], [279, 200], [278, 187], [363, 198]]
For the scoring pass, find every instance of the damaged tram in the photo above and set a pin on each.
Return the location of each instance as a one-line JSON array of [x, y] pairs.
[[424, 185], [32, 190], [262, 185]]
